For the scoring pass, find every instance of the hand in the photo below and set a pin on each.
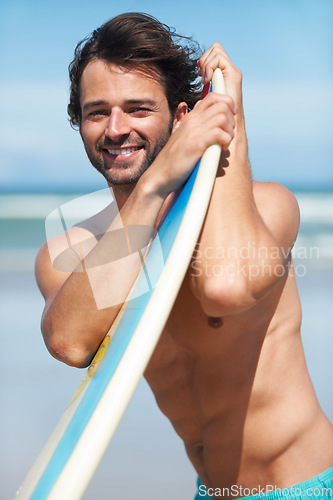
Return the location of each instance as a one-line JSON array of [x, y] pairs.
[[212, 121], [216, 57]]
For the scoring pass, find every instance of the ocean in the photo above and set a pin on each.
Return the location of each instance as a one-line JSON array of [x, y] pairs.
[[146, 459]]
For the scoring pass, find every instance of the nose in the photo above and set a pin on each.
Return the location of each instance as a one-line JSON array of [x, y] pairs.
[[118, 125]]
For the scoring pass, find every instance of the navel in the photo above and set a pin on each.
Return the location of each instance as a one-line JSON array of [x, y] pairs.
[[215, 322]]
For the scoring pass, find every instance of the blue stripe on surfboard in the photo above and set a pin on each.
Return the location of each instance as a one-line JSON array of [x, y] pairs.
[[116, 349]]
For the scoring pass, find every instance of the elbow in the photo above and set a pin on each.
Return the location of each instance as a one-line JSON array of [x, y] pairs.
[[70, 355], [235, 292], [220, 297], [77, 356]]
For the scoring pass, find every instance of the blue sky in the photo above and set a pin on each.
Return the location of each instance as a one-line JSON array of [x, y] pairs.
[[284, 49]]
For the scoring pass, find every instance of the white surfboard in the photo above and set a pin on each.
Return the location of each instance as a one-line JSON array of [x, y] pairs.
[[71, 455]]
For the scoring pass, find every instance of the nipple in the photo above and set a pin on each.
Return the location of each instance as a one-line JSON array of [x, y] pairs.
[[215, 322]]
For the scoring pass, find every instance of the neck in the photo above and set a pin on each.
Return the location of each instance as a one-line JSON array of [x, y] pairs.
[[121, 193]]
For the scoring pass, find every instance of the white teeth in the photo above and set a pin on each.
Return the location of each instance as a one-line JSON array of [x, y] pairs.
[[123, 151]]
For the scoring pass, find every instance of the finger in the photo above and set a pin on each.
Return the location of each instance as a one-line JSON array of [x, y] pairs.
[[221, 137], [214, 117], [217, 99], [213, 62], [221, 117], [225, 122], [202, 61], [214, 49], [211, 59]]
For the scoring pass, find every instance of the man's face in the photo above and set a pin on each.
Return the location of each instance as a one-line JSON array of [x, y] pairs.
[[125, 122]]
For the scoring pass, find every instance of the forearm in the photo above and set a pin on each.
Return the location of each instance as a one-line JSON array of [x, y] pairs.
[[79, 315]]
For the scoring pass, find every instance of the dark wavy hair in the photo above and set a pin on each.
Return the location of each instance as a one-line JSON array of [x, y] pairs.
[[139, 40]]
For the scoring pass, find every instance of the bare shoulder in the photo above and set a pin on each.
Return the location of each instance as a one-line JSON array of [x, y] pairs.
[[279, 210], [63, 254], [59, 257], [272, 196]]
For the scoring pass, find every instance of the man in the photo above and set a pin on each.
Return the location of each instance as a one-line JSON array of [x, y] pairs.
[[229, 370]]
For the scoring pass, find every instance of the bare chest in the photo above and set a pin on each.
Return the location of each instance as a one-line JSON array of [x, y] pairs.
[[198, 358], [190, 332]]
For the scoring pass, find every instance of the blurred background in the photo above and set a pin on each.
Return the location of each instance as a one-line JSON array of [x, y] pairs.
[[284, 50]]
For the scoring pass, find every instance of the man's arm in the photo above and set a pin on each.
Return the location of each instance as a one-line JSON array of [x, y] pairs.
[[240, 254], [72, 324]]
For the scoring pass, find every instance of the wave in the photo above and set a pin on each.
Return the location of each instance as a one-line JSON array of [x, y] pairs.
[[23, 216]]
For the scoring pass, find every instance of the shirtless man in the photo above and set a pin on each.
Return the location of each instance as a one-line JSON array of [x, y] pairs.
[[229, 370]]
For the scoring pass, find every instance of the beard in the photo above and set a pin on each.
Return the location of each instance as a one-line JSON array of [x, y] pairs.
[[96, 157]]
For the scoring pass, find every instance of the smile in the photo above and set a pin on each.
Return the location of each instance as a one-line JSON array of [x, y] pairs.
[[123, 151]]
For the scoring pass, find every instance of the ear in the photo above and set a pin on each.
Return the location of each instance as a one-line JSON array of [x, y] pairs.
[[181, 112]]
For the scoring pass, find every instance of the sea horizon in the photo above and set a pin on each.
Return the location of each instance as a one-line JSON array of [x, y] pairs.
[[88, 188]]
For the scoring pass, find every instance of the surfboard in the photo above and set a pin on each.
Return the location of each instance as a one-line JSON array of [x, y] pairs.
[[70, 457]]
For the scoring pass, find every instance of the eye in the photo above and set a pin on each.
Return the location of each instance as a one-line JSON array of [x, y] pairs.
[[140, 112], [98, 112]]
